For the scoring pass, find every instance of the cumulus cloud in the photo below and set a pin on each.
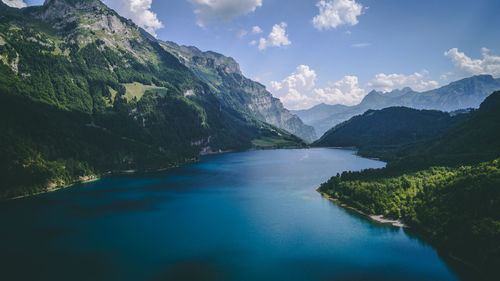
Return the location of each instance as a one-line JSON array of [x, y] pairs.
[[252, 43], [387, 82], [334, 13], [257, 30], [465, 65], [138, 11], [294, 90], [299, 91], [209, 10], [277, 37], [15, 3], [346, 91]]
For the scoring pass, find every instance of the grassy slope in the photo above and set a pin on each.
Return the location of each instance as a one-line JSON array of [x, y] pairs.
[[136, 90]]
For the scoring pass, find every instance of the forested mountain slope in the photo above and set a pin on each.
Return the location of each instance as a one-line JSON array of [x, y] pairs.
[[84, 91], [389, 129], [447, 189]]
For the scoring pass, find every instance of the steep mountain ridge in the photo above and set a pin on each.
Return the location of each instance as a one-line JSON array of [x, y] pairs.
[[465, 93], [236, 91], [85, 92]]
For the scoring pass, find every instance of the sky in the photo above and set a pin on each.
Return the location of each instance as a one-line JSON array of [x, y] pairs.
[[308, 52]]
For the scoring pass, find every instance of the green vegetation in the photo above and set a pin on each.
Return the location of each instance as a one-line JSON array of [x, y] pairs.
[[275, 142], [447, 188], [379, 132], [456, 209], [135, 91], [75, 103]]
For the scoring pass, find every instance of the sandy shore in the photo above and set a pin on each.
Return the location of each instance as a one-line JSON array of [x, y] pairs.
[[379, 218]]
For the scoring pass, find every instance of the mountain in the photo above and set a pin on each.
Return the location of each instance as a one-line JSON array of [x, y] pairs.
[[316, 115], [235, 91], [389, 128], [85, 92], [446, 189], [465, 93], [473, 140]]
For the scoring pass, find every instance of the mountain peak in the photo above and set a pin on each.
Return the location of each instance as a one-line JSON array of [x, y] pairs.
[[191, 53], [477, 78], [65, 9]]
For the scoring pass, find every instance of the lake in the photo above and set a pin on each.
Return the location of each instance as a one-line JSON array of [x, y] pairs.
[[240, 216]]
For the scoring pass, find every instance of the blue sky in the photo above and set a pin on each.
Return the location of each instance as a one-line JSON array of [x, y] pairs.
[[353, 46]]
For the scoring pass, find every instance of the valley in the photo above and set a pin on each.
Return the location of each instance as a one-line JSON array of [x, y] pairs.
[[127, 156]]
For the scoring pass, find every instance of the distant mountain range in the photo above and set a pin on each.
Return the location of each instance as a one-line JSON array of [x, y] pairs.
[[462, 94]]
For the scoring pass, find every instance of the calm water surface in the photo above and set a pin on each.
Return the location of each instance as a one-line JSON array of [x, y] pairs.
[[241, 216]]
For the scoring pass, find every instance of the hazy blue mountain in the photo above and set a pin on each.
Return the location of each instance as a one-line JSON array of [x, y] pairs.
[[234, 90], [465, 93]]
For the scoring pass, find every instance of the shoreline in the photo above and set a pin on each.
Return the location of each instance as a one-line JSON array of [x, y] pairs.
[[121, 172], [93, 178], [376, 218], [49, 189], [191, 161]]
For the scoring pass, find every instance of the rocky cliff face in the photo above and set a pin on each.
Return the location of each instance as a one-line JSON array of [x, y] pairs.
[[233, 89], [82, 22]]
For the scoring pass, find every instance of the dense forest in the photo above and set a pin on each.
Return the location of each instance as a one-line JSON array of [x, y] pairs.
[[382, 131], [92, 94], [447, 188]]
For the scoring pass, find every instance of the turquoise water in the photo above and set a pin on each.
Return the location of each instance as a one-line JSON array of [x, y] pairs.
[[240, 216]]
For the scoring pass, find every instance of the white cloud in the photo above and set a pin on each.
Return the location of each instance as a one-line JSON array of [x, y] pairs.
[[257, 30], [298, 91], [387, 82], [209, 10], [346, 91], [333, 13], [277, 37], [252, 43], [468, 66], [361, 45], [242, 33], [15, 3], [294, 89], [138, 11]]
